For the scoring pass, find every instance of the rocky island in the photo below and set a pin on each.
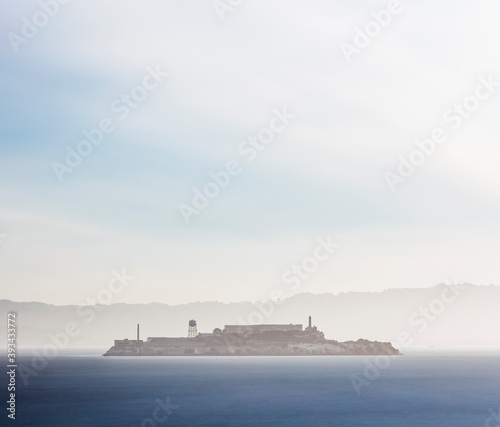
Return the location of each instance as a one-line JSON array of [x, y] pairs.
[[250, 340]]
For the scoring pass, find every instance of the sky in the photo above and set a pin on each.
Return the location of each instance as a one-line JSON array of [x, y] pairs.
[[202, 78]]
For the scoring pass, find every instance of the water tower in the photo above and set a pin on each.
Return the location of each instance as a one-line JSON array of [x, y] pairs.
[[192, 331]]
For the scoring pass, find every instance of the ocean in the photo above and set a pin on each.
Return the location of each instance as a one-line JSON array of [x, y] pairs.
[[432, 388]]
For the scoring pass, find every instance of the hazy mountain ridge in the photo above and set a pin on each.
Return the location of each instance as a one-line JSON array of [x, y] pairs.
[[462, 315]]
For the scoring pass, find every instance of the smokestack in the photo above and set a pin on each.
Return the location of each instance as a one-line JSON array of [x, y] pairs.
[[138, 332], [309, 321]]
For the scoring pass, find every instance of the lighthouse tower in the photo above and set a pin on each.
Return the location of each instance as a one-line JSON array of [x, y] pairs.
[[310, 327]]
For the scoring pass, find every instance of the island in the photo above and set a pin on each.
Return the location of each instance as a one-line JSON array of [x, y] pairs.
[[250, 340]]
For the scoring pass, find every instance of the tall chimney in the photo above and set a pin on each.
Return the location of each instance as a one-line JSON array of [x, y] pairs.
[[309, 321], [138, 332]]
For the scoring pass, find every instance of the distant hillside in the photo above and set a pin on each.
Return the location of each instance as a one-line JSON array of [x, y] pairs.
[[464, 315]]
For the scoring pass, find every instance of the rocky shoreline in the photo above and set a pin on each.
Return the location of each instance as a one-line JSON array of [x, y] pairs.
[[235, 346]]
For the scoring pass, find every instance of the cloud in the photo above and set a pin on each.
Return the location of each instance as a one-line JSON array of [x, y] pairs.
[[325, 173]]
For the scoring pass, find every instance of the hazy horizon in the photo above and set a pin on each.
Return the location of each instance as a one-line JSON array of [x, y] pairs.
[[284, 296], [460, 314]]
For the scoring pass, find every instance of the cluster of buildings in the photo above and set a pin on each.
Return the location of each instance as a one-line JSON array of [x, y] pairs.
[[228, 329]]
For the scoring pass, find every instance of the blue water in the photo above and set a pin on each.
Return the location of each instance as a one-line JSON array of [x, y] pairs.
[[414, 390]]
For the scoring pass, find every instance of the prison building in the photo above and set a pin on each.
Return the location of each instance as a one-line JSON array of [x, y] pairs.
[[244, 329]]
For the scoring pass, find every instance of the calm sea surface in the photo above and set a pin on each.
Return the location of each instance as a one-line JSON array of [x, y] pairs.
[[421, 389]]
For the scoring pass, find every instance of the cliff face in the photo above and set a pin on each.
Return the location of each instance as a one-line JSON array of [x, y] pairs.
[[229, 345]]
